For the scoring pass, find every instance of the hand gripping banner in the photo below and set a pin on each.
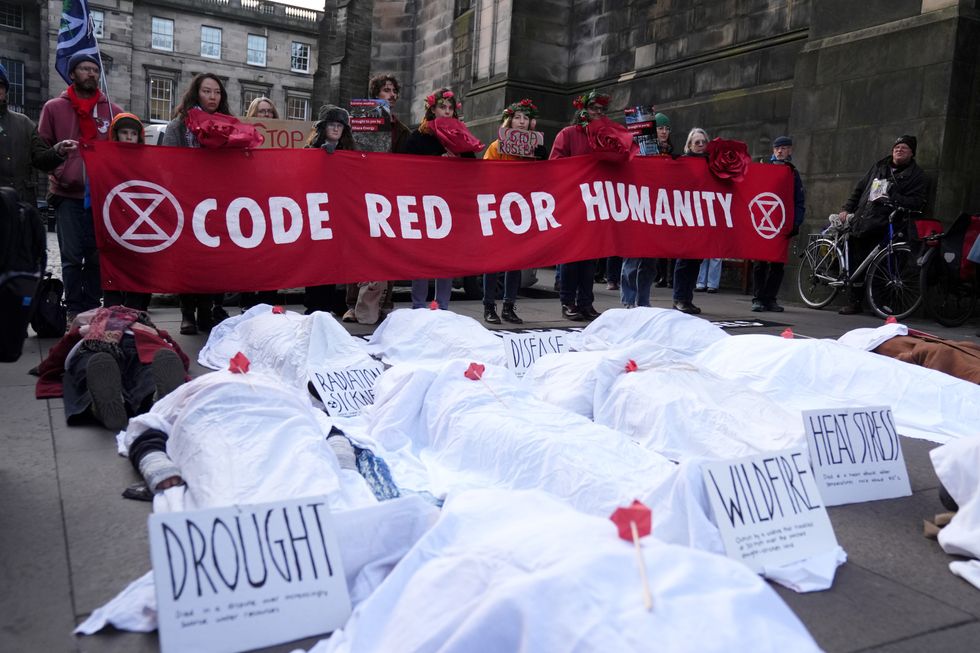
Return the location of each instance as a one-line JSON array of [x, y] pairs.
[[195, 220]]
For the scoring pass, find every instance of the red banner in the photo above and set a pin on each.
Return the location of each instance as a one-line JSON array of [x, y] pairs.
[[192, 220]]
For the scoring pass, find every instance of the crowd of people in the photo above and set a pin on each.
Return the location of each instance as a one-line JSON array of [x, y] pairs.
[[82, 113]]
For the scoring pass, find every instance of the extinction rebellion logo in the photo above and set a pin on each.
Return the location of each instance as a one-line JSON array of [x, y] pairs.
[[768, 214], [145, 218]]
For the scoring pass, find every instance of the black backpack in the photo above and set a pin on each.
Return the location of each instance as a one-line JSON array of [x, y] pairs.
[[23, 257], [50, 318]]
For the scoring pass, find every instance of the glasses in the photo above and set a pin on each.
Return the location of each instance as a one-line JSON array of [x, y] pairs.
[[700, 142], [87, 69]]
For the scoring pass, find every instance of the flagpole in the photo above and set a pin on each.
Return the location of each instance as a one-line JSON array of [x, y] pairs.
[[103, 80]]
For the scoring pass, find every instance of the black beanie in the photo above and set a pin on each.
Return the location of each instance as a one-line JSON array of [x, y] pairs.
[[908, 140]]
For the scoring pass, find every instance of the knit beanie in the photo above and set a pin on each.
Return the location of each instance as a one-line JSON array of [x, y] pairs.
[[81, 57], [909, 140], [662, 120]]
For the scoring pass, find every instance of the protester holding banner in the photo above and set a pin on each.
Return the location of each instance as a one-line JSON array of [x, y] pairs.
[[520, 115], [206, 93], [262, 107], [576, 294], [331, 132], [126, 128], [82, 113], [709, 275], [424, 141], [686, 270], [768, 276]]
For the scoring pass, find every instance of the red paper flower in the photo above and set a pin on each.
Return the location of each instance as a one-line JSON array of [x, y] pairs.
[[787, 333], [433, 305], [728, 159], [631, 365], [238, 364], [219, 130], [447, 94], [278, 310], [891, 320], [474, 372], [454, 136], [607, 136], [637, 513]]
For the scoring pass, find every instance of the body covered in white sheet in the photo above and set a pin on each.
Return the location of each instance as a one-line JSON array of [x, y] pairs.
[[433, 336], [958, 467], [670, 329], [519, 571]]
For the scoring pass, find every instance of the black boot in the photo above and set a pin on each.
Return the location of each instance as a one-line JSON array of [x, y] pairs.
[[490, 314], [509, 315], [188, 325]]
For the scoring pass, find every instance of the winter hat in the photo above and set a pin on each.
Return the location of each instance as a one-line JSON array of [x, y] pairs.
[[332, 113], [909, 140], [662, 120], [81, 57], [125, 120], [3, 77], [783, 141]]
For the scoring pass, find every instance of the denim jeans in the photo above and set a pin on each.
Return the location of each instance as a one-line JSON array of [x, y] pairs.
[[709, 276], [685, 277], [637, 280], [576, 283], [420, 291], [79, 255], [512, 283]]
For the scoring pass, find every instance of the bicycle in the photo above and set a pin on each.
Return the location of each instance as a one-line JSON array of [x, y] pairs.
[[889, 273], [948, 279]]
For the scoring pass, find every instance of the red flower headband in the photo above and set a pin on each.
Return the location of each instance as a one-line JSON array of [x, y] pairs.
[[525, 106], [433, 99], [592, 97]]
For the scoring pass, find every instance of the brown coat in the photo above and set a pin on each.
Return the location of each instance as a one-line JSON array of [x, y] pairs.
[[956, 358], [22, 150]]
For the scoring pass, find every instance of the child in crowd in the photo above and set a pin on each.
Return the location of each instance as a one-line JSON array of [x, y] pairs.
[[521, 115]]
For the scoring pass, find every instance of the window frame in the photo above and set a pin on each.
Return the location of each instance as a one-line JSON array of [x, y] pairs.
[[160, 76], [292, 56], [14, 11], [306, 97], [219, 31], [98, 26], [15, 91], [153, 33], [249, 50]]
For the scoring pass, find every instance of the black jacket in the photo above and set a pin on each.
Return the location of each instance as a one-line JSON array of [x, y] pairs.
[[428, 145], [908, 188]]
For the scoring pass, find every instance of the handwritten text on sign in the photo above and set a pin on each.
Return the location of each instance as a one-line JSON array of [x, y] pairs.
[[768, 508], [522, 349], [856, 455], [345, 391], [244, 577], [518, 142]]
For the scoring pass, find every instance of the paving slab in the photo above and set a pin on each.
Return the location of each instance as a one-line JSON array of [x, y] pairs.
[[964, 638]]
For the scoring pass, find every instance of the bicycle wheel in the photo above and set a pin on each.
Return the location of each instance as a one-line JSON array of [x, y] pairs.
[[820, 274], [893, 282], [948, 301]]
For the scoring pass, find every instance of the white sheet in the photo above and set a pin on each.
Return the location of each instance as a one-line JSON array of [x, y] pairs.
[[804, 374], [427, 336], [519, 571], [669, 328], [957, 465], [869, 339]]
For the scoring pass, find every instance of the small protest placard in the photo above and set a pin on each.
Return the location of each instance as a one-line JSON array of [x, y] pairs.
[[642, 123], [525, 348], [519, 142], [245, 577], [281, 133], [768, 508], [370, 122], [856, 455], [346, 390]]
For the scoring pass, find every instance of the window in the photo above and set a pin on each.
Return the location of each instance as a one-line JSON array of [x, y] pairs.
[[15, 73], [299, 60], [211, 42], [162, 30], [255, 54], [249, 94], [161, 98], [297, 107], [98, 22], [11, 15]]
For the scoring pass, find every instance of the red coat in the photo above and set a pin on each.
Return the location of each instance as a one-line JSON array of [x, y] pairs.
[[571, 141]]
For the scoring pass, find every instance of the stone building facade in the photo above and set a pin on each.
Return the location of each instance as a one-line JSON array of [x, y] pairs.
[[844, 78], [152, 49]]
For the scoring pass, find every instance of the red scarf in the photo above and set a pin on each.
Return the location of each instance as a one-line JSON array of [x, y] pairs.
[[85, 107]]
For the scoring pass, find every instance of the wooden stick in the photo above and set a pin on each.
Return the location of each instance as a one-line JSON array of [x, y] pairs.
[[647, 596], [492, 392]]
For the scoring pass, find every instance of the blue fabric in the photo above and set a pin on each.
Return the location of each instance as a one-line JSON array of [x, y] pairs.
[[76, 40], [420, 291], [512, 283], [799, 192], [637, 280], [709, 275], [79, 255], [376, 473]]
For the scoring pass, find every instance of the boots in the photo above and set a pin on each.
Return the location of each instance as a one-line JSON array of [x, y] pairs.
[[490, 314], [188, 324], [509, 315]]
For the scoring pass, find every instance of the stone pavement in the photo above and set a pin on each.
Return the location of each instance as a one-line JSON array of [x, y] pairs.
[[69, 542]]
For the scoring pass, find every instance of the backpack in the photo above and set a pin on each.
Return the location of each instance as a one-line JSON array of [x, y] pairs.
[[50, 318], [23, 257]]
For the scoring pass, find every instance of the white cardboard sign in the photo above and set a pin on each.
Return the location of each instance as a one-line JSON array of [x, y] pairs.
[[768, 508], [522, 349], [243, 577], [346, 390], [856, 454]]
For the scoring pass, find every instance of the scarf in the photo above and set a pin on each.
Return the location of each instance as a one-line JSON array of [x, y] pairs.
[[85, 108], [108, 326]]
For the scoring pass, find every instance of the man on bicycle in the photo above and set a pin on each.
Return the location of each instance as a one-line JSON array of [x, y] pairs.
[[897, 180]]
